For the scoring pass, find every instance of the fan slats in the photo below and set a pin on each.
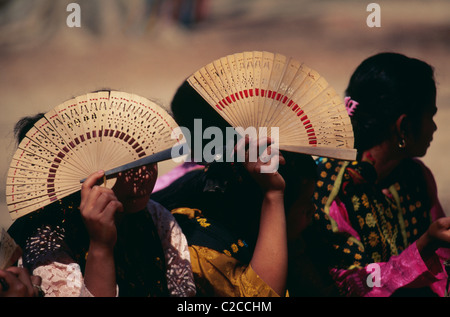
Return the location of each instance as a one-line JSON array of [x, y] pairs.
[[264, 89], [101, 130]]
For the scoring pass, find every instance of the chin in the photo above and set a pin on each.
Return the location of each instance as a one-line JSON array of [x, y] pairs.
[[420, 153]]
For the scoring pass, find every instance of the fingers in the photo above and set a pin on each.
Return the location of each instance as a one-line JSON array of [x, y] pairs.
[[247, 150], [437, 236], [88, 184], [443, 229], [271, 160], [16, 281], [101, 201], [4, 277], [24, 277], [36, 281]]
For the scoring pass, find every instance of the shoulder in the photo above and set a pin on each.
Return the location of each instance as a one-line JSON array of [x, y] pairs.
[[165, 222], [161, 215], [176, 251], [420, 164], [329, 170], [328, 164], [415, 170], [416, 165]]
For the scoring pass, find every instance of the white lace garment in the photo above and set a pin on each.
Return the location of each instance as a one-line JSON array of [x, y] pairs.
[[66, 280]]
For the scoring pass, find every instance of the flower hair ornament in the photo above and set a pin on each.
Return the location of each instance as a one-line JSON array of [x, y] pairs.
[[350, 105]]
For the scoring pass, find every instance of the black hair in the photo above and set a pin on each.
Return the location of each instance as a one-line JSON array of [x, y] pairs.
[[22, 126], [187, 105], [386, 86]]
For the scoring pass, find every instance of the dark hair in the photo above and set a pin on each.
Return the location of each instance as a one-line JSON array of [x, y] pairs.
[[22, 126], [386, 86], [187, 105]]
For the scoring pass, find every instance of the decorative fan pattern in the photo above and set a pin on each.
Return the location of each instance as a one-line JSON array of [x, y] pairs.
[[101, 130], [263, 89]]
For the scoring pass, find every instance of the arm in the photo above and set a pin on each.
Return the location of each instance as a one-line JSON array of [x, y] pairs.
[[98, 208], [409, 269], [270, 258]]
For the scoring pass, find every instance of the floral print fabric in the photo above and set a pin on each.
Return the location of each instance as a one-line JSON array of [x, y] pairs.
[[366, 222]]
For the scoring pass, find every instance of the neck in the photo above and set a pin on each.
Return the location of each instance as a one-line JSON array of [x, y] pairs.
[[385, 158]]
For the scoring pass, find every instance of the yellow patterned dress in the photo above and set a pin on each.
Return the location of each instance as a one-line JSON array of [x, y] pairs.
[[220, 260]]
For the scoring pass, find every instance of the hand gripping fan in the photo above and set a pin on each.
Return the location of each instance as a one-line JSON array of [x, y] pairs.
[[263, 89], [97, 131]]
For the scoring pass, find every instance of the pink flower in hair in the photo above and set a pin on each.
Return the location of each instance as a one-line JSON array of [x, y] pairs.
[[350, 105]]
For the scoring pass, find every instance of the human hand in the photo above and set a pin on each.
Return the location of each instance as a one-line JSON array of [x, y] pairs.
[[17, 282], [264, 168], [437, 236], [99, 207]]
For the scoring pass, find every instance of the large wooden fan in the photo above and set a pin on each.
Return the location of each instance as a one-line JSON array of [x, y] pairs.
[[263, 89], [101, 130]]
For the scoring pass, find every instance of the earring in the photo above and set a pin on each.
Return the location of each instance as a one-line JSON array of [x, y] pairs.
[[402, 144]]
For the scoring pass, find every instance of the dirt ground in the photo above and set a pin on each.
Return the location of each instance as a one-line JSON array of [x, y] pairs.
[[42, 64]]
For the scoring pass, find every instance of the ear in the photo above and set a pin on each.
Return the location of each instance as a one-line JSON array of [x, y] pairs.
[[402, 126]]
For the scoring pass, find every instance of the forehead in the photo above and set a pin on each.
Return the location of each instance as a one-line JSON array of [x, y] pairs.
[[426, 105]]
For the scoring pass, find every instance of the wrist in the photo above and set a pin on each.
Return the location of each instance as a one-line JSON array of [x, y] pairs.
[[425, 246], [274, 195], [100, 250]]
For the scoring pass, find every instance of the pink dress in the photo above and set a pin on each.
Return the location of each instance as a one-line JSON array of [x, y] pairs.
[[367, 224]]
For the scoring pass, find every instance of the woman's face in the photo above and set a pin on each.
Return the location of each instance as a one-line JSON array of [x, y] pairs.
[[420, 140], [133, 188]]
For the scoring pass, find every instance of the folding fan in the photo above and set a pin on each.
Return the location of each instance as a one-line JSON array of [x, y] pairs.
[[10, 251], [263, 89], [97, 131]]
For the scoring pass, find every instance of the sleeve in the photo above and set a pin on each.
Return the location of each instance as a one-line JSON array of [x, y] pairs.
[[218, 274], [384, 278], [63, 280], [179, 273], [47, 255]]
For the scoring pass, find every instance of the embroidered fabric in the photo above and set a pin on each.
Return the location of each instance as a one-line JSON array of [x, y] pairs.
[[403, 271], [180, 280], [220, 275], [63, 278]]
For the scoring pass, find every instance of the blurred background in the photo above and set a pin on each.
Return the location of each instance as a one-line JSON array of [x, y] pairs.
[[149, 47]]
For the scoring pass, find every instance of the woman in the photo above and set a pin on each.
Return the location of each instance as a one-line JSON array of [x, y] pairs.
[[379, 229], [122, 243], [237, 220]]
